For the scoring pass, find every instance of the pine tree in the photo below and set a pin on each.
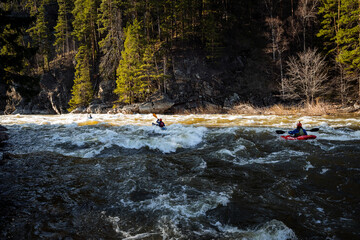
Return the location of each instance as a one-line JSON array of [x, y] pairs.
[[348, 37], [85, 25], [149, 74], [14, 54], [82, 92], [85, 30], [62, 28], [211, 29], [127, 73], [329, 10], [41, 35], [348, 34], [110, 22], [341, 30]]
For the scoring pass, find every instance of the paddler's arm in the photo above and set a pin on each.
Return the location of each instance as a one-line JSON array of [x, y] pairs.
[[293, 132]]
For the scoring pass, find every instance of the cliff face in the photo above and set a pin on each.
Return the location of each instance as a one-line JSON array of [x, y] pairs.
[[230, 79], [195, 84], [55, 90]]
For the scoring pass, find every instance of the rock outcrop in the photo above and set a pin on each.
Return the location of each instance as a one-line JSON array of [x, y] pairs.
[[159, 103], [194, 84]]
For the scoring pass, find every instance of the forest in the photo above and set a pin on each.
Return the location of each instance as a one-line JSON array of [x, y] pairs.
[[287, 51]]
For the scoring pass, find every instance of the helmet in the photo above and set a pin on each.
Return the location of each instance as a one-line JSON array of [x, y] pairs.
[[299, 124], [160, 119]]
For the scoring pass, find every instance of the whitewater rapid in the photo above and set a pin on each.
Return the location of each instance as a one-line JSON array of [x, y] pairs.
[[204, 177], [107, 135]]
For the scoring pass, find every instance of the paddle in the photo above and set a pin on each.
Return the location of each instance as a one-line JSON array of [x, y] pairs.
[[311, 130], [160, 125], [156, 118]]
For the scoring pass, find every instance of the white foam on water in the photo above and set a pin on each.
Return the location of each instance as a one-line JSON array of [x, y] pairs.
[[184, 207], [320, 209], [180, 207], [308, 166], [272, 158], [91, 141], [324, 170], [271, 230], [332, 134], [226, 152], [115, 221], [140, 236], [207, 120]]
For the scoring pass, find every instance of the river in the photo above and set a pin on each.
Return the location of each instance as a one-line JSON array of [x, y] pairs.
[[204, 177]]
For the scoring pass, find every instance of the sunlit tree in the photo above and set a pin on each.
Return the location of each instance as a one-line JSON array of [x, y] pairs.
[[306, 76], [82, 91]]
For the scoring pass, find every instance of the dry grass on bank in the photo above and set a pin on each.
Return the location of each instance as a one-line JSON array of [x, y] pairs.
[[318, 109]]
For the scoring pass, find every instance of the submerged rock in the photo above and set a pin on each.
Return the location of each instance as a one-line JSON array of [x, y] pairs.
[[238, 215], [141, 195], [3, 134]]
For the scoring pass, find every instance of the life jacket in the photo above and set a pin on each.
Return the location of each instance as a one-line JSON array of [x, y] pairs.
[[161, 124], [300, 133]]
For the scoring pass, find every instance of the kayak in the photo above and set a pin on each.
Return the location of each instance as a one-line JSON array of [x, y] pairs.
[[304, 137]]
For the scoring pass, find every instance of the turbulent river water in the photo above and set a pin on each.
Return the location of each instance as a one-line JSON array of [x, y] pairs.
[[204, 177]]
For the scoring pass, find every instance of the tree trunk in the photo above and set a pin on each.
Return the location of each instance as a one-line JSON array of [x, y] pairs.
[[165, 71], [281, 76], [304, 34], [359, 87]]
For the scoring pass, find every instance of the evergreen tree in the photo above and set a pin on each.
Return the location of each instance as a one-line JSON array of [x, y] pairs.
[[212, 29], [82, 92], [62, 28], [110, 22], [41, 35], [348, 34], [149, 74], [348, 37], [127, 73], [14, 53], [85, 25], [340, 31], [85, 30], [329, 10]]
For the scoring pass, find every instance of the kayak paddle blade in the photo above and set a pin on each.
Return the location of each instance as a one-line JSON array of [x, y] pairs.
[[314, 130]]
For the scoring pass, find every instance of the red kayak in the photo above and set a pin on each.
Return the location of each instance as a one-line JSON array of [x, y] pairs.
[[304, 137]]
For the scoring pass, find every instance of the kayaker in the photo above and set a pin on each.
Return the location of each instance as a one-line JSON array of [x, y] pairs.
[[160, 123], [299, 131]]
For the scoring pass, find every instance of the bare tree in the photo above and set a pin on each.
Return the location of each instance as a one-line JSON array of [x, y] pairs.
[[279, 44], [307, 73], [307, 12]]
